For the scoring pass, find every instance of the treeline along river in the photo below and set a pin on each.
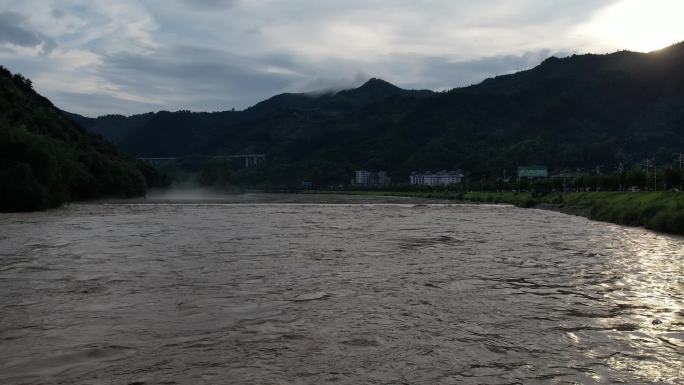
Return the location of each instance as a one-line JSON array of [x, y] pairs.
[[316, 290]]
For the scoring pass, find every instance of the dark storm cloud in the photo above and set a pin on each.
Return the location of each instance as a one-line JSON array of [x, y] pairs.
[[57, 13], [14, 30], [208, 79], [100, 102], [439, 71], [208, 4], [199, 78]]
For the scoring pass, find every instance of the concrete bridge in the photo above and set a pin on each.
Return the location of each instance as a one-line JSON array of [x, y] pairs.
[[251, 160], [157, 161]]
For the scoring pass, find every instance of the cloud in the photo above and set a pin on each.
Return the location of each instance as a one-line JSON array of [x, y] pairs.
[[84, 103], [208, 4], [333, 83], [187, 77], [436, 72], [131, 56], [15, 31], [57, 13]]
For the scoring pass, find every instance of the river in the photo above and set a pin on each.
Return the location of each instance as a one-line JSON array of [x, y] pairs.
[[339, 290]]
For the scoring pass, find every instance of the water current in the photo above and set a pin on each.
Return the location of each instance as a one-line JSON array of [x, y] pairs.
[[338, 290]]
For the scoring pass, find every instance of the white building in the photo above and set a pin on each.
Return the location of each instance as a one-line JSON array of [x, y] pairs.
[[440, 178], [370, 178], [361, 177]]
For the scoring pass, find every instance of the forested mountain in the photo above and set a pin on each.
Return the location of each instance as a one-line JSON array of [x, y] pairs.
[[579, 111], [46, 159]]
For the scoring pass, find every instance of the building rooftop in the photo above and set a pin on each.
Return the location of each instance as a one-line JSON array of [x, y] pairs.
[[439, 173]]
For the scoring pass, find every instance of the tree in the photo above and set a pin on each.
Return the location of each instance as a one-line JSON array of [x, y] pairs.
[[636, 177], [375, 165]]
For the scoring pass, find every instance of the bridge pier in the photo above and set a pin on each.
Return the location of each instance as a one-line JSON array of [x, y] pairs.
[[251, 160]]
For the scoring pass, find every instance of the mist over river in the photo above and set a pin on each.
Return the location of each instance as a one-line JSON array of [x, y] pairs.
[[279, 289]]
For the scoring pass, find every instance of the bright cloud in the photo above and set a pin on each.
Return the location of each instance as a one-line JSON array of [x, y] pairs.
[[637, 25]]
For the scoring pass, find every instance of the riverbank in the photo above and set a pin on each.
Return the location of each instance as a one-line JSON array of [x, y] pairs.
[[200, 196], [659, 211]]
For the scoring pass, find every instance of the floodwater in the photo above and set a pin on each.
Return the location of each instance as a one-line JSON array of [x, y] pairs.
[[335, 290]]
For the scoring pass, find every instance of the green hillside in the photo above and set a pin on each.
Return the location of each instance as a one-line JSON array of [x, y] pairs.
[[581, 111], [46, 159]]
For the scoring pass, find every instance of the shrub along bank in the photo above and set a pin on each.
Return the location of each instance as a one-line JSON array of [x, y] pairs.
[[659, 211]]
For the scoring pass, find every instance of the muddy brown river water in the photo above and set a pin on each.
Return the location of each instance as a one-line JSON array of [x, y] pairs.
[[338, 290]]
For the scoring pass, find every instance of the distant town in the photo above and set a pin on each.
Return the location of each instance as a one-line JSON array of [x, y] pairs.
[[538, 179], [417, 178]]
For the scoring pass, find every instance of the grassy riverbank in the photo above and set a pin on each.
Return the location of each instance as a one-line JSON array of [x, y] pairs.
[[659, 211]]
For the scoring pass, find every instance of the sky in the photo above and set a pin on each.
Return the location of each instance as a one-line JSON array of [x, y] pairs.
[[96, 57]]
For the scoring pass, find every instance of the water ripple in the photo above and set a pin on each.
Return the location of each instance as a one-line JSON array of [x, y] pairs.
[[350, 293]]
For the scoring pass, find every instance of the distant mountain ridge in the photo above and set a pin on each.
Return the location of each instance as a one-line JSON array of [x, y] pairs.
[[193, 127], [579, 111]]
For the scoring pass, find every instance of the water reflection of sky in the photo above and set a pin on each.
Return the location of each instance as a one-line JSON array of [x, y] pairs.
[[645, 291]]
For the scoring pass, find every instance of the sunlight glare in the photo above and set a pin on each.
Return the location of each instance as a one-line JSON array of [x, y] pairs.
[[638, 25]]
